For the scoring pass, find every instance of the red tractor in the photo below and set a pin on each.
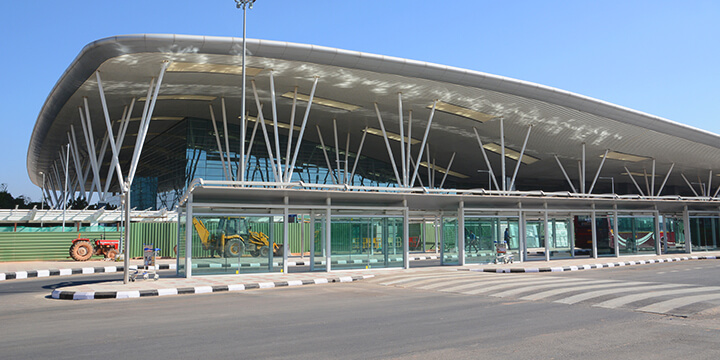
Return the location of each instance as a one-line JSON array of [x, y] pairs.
[[82, 249]]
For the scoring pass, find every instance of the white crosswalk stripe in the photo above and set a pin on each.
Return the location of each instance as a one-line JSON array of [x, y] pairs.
[[652, 297]]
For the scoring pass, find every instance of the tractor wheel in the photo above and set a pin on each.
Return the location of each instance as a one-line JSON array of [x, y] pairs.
[[234, 248], [81, 250], [254, 253], [111, 254], [279, 251], [264, 251]]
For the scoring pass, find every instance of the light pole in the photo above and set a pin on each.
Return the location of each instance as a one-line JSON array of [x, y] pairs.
[[42, 194], [243, 4]]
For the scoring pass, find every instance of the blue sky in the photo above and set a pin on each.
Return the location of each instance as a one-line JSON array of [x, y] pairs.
[[660, 57]]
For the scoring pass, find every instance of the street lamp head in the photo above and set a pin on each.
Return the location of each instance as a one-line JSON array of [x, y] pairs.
[[240, 4]]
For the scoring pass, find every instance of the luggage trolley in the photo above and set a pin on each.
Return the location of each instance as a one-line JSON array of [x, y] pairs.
[[502, 255], [149, 254]]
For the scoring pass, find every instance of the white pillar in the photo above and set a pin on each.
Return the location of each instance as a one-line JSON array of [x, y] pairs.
[[461, 233]]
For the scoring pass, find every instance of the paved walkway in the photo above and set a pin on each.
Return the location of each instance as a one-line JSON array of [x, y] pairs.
[[219, 283]]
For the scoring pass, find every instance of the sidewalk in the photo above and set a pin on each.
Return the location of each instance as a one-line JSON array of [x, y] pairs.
[[220, 283]]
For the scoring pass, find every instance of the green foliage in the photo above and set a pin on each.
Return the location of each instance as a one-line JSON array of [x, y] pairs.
[[7, 201]]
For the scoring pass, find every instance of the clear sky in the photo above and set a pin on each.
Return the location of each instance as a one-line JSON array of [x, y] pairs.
[[660, 57]]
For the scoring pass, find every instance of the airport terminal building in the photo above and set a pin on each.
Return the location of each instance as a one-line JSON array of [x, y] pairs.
[[369, 157]]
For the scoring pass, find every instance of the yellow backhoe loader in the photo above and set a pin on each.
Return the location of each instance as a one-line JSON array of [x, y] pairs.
[[233, 237]]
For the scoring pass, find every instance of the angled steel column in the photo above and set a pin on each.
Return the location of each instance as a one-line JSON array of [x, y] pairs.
[[76, 161], [709, 183], [582, 184], [90, 142], [409, 153], [302, 131], [141, 135], [652, 181], [688, 184], [452, 158], [217, 140], [519, 161], [647, 184], [252, 140], [275, 127], [327, 159], [347, 155], [65, 200], [429, 165], [115, 151], [387, 145], [665, 180], [261, 118], [328, 236], [227, 136], [290, 131], [118, 144], [487, 162], [422, 144], [502, 153], [357, 155], [337, 152], [402, 140], [635, 182], [597, 174]]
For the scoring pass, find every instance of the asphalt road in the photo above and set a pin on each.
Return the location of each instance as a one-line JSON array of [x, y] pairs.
[[361, 320]]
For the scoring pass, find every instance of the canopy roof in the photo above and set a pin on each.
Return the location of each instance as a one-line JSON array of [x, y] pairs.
[[209, 67]]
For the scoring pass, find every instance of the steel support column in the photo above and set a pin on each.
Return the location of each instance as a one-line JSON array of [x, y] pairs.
[[461, 233], [422, 144], [406, 236], [328, 235], [289, 173], [387, 145], [487, 162]]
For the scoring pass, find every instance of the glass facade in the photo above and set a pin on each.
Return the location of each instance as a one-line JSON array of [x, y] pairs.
[[366, 242], [482, 233], [705, 232], [636, 235], [449, 241]]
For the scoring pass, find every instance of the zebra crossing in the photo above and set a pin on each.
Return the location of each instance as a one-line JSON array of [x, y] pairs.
[[643, 296]]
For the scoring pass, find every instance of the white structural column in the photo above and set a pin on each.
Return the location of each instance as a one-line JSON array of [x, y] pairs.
[[289, 173], [422, 144], [519, 161], [593, 229], [582, 176], [406, 235], [347, 155], [118, 144], [657, 232], [689, 185], [337, 152], [357, 155], [635, 182], [286, 238], [502, 153], [261, 119], [275, 127], [686, 227], [487, 162], [76, 161], [328, 238], [461, 233], [290, 131], [142, 134], [387, 144], [90, 141], [547, 233], [401, 122], [430, 168], [409, 147], [250, 146], [652, 180], [665, 180], [567, 178], [327, 159], [115, 152], [709, 187], [188, 235], [217, 140], [447, 171], [597, 174], [227, 137], [616, 235]]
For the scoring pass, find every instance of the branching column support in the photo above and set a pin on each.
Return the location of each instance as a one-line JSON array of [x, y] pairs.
[[652, 180], [289, 173], [597, 174], [665, 180], [447, 171], [409, 147], [227, 137], [217, 140], [118, 144], [387, 145], [275, 127], [290, 131], [709, 187], [582, 176], [565, 174], [635, 182], [357, 155], [141, 135], [252, 140], [90, 141], [519, 161], [261, 119], [487, 162], [76, 161], [502, 153], [688, 184], [327, 159], [337, 152], [422, 144], [401, 122]]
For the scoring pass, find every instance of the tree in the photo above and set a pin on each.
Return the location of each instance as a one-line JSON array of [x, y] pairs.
[[7, 201]]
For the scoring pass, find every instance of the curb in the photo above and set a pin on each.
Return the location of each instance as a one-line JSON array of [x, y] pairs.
[[80, 295], [591, 266], [17, 275]]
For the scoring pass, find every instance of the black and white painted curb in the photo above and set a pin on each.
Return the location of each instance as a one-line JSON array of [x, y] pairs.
[[80, 295], [17, 275], [590, 266]]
